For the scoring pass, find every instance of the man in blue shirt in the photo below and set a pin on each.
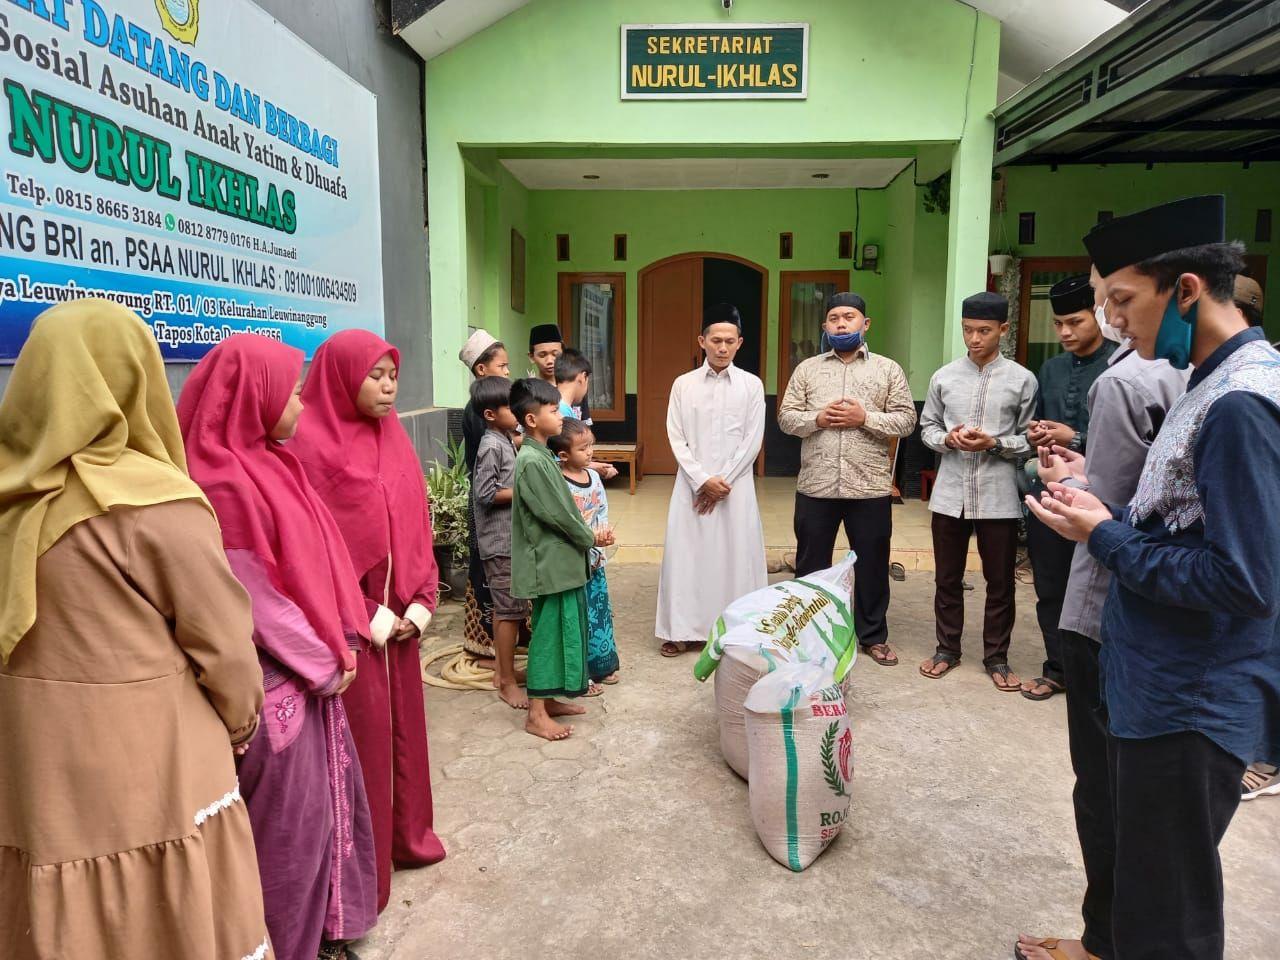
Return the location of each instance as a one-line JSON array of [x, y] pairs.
[[1191, 629]]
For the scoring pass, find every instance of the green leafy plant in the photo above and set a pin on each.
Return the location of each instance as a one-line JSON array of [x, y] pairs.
[[450, 490], [937, 194], [829, 768]]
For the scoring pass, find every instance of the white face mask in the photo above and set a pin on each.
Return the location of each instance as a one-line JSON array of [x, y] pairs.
[[1108, 331]]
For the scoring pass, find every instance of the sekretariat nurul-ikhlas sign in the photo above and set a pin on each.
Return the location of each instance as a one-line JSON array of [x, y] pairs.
[[715, 61]]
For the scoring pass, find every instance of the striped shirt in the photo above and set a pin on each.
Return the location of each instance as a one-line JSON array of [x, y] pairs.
[[998, 399]]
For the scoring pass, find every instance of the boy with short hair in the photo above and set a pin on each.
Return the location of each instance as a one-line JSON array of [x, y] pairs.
[[573, 380], [550, 546], [976, 415], [492, 485]]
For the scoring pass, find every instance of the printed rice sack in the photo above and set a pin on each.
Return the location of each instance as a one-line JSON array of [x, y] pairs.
[[794, 621], [739, 669], [800, 749]]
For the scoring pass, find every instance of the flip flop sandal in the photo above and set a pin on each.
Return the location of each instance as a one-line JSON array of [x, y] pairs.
[[949, 659], [673, 648], [1053, 685], [897, 571], [883, 658], [1051, 945], [594, 690], [1002, 670]]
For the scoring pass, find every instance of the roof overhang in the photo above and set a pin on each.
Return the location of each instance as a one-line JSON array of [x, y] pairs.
[[1177, 81]]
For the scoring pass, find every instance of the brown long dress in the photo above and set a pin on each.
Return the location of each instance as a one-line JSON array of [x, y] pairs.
[[122, 832]]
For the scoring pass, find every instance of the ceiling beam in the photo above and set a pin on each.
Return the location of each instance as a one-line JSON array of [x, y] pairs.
[[1257, 81], [1268, 150], [1191, 125]]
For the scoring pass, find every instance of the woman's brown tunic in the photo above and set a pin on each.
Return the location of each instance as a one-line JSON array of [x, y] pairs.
[[122, 832]]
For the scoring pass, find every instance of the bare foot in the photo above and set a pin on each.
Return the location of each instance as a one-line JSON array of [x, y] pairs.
[[522, 677], [557, 709], [547, 728], [485, 663], [513, 696], [1035, 948]]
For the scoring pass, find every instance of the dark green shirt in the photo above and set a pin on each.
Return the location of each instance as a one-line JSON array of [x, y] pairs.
[[550, 541], [1064, 389]]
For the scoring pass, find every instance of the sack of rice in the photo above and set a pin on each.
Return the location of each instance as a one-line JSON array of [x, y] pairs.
[[739, 669], [790, 622], [800, 749]]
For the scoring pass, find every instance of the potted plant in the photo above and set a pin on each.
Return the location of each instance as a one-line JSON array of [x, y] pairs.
[[450, 491], [999, 262]]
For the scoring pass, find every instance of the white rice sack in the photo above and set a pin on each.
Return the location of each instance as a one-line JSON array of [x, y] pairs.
[[789, 622], [800, 751], [738, 672]]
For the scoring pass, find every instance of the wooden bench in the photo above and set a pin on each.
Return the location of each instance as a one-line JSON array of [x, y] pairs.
[[628, 453]]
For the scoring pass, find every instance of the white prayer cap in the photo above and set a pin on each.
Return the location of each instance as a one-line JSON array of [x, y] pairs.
[[474, 348]]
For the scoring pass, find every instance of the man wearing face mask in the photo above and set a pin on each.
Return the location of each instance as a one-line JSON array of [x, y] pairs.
[[1127, 405], [1190, 657], [845, 404]]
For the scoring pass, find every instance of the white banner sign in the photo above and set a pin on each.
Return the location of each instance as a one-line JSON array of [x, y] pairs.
[[190, 159]]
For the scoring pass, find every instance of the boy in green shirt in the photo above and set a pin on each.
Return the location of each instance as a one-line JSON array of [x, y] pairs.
[[550, 565]]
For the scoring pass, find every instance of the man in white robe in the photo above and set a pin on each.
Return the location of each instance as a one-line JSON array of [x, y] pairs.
[[714, 550]]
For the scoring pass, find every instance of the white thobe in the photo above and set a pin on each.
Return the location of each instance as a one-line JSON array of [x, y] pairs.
[[715, 423]]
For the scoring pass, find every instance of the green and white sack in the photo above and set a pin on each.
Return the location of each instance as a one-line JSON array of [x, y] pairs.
[[738, 672], [800, 751]]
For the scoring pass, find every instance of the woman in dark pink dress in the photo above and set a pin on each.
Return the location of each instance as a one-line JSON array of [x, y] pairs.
[[363, 464]]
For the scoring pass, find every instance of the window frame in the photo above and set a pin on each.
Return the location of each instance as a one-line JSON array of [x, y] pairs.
[[565, 281]]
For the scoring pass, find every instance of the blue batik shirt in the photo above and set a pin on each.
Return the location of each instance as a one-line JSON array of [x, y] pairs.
[[1191, 627]]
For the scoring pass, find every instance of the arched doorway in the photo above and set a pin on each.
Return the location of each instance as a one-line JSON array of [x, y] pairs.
[[673, 293]]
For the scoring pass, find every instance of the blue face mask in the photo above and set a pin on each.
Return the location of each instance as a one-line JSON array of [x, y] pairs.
[[1173, 340], [844, 342]]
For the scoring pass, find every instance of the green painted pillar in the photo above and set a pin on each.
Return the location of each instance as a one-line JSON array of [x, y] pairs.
[[447, 249], [969, 226]]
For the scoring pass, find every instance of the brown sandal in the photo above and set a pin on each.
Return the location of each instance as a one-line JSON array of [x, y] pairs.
[[881, 654], [1050, 944], [1033, 693], [673, 648], [1002, 671], [950, 659]]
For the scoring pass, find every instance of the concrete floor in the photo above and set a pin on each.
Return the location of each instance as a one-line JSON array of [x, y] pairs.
[[641, 523], [634, 840]]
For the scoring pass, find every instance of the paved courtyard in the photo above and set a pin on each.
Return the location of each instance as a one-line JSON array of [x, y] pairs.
[[634, 840]]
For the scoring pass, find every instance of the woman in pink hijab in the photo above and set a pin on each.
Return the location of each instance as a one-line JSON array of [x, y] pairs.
[[300, 778], [363, 464]]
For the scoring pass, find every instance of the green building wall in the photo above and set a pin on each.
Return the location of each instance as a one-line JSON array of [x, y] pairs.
[[543, 81], [1066, 202]]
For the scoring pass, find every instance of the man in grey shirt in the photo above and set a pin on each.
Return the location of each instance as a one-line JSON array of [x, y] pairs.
[[1127, 405], [976, 415]]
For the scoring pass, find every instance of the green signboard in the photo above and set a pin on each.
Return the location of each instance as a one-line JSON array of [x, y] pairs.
[[715, 61]]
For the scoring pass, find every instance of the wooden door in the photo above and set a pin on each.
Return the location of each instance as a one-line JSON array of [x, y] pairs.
[[670, 316]]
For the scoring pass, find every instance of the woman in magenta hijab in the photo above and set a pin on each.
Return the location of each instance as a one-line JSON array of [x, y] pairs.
[[363, 464], [300, 778]]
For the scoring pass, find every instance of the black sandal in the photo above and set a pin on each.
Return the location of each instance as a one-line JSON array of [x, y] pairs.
[[1053, 685], [950, 659]]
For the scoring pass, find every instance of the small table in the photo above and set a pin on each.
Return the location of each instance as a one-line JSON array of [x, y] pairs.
[[628, 453]]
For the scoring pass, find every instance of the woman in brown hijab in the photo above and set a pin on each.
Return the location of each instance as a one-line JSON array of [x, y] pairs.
[[127, 666]]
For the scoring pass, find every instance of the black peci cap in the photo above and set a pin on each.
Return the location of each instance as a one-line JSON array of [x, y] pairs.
[[985, 306], [544, 333], [1191, 222], [846, 300], [1071, 295], [721, 313]]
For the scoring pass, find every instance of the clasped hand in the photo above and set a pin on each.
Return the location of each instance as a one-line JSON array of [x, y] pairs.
[[969, 439], [710, 494], [842, 414], [1044, 433]]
